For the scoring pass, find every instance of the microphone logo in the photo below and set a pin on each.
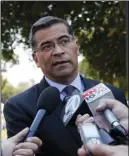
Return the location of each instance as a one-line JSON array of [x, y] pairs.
[[95, 92], [71, 107]]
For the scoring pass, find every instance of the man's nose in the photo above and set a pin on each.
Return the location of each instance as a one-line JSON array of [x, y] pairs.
[[58, 50]]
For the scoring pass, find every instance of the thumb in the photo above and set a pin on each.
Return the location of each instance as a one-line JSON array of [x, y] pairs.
[[20, 136], [100, 150]]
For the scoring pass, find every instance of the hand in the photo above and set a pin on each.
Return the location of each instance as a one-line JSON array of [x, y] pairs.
[[83, 119], [9, 145], [27, 148], [119, 109], [104, 150]]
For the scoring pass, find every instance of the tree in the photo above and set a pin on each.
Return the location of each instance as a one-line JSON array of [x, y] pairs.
[[90, 72], [99, 26], [9, 90]]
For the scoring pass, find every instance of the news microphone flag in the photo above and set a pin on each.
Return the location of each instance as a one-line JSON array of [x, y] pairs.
[[93, 97], [94, 94]]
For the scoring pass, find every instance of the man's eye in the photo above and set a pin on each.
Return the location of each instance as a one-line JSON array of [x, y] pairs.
[[64, 41], [45, 47]]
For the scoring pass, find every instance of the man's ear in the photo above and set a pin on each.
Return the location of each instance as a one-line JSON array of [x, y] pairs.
[[35, 58], [77, 45]]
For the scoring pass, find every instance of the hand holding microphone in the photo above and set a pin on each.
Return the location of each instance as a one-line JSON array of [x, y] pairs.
[[45, 106], [90, 133], [14, 147], [97, 149], [118, 109], [106, 118], [116, 114], [121, 113]]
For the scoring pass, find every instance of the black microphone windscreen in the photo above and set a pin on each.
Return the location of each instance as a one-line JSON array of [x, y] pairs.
[[49, 99]]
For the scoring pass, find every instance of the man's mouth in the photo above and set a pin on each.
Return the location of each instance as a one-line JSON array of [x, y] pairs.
[[59, 63]]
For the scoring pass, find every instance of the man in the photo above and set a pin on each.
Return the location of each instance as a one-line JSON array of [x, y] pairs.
[[55, 51], [121, 112], [14, 147]]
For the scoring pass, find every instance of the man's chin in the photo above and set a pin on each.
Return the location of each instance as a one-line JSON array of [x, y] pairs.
[[65, 75]]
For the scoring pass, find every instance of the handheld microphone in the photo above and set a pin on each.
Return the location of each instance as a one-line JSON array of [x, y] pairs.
[[70, 108], [106, 137], [72, 105], [47, 103], [92, 98]]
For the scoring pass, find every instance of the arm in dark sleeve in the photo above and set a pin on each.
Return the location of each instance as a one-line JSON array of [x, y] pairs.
[[15, 117]]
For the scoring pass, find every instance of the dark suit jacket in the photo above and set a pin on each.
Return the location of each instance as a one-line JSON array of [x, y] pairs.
[[21, 109]]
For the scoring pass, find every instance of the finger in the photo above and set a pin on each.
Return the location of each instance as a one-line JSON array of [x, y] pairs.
[[99, 150], [23, 152], [35, 140], [27, 145], [20, 136], [89, 120], [78, 117], [82, 118], [107, 103], [82, 151]]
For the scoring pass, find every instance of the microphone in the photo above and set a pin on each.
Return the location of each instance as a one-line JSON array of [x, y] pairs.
[[89, 133], [72, 105], [46, 104], [106, 137], [92, 98], [70, 108]]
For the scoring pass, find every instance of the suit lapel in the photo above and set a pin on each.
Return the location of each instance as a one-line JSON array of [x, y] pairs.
[[88, 83], [43, 84]]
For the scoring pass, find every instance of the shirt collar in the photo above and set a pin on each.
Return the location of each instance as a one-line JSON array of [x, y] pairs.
[[76, 83]]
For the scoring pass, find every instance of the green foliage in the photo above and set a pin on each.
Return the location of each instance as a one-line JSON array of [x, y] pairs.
[[99, 26], [90, 72], [9, 90]]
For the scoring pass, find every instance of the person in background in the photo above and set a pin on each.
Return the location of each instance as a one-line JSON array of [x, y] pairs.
[[14, 147], [121, 112]]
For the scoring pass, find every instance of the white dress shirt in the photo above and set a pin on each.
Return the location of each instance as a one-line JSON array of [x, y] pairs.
[[77, 83]]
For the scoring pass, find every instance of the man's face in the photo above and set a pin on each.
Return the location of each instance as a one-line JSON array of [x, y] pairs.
[[57, 53]]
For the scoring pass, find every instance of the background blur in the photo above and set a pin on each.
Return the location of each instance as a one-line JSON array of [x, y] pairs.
[[99, 27]]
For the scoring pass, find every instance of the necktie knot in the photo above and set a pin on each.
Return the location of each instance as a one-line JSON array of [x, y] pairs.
[[70, 90]]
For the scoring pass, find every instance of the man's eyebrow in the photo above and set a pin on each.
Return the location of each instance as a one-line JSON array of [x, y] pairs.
[[47, 42], [63, 36]]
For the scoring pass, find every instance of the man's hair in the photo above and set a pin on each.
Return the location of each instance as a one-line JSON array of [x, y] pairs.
[[46, 22]]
